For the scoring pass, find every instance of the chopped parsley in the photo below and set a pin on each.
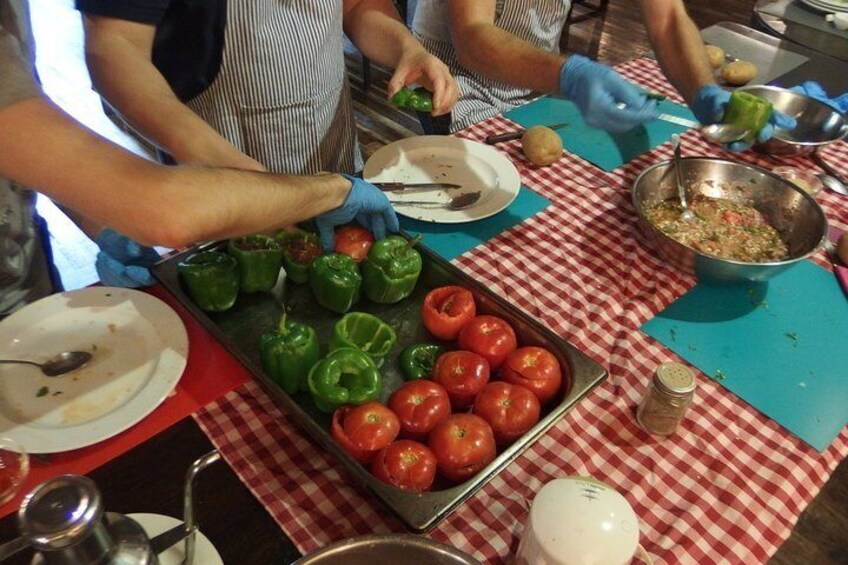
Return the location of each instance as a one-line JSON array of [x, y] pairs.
[[43, 391]]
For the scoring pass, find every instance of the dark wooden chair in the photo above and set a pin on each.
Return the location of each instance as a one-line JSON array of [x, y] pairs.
[[586, 11]]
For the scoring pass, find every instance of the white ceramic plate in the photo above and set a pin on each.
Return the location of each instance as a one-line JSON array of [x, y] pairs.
[[827, 5], [436, 158], [154, 524], [139, 346]]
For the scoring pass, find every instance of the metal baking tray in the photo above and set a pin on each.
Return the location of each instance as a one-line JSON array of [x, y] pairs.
[[239, 330]]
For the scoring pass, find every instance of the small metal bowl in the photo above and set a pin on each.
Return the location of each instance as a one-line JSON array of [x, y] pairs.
[[387, 549], [818, 123], [793, 212]]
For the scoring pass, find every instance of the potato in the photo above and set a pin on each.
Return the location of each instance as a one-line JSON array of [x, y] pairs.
[[541, 145], [715, 54], [738, 73], [842, 249]]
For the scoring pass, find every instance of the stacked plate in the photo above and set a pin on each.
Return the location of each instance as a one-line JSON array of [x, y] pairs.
[[829, 6]]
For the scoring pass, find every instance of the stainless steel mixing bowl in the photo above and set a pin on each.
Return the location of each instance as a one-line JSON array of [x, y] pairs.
[[818, 123], [794, 213], [387, 549]]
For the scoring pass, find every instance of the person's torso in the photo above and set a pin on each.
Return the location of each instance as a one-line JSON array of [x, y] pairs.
[[538, 22]]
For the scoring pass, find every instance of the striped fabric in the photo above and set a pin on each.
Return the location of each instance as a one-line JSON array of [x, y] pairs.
[[538, 22], [282, 95]]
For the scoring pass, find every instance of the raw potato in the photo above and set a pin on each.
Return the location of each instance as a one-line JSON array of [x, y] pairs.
[[541, 145], [842, 248], [716, 56], [738, 73]]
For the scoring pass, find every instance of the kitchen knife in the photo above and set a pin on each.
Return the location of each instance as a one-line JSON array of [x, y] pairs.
[[407, 187], [169, 538], [510, 135], [672, 119]]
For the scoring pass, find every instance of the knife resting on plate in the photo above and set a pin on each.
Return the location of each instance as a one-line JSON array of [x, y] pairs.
[[407, 187]]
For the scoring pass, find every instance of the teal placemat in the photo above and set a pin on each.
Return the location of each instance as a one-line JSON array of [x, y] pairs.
[[452, 240], [782, 346], [607, 151]]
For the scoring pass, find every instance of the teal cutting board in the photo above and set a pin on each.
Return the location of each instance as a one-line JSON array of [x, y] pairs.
[[782, 346], [607, 151], [452, 240]]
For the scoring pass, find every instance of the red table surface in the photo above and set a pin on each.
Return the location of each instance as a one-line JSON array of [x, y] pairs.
[[727, 488], [210, 373]]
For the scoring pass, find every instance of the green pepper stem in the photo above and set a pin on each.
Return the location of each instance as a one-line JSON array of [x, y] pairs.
[[281, 327]]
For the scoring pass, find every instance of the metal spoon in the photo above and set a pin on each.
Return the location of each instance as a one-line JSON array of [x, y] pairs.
[[460, 202], [65, 362], [724, 133], [681, 190], [833, 184]]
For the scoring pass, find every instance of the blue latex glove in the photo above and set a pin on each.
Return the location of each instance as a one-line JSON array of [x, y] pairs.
[[709, 105], [604, 98], [365, 203], [814, 90], [123, 262]]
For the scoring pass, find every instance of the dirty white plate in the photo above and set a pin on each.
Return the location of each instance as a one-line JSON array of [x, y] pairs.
[[139, 347], [154, 524], [436, 158]]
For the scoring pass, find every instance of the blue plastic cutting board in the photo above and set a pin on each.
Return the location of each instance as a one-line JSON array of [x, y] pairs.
[[607, 151], [782, 347], [452, 240]]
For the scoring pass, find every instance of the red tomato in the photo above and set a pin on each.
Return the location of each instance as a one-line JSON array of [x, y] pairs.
[[536, 369], [490, 337], [406, 464], [446, 309], [354, 241], [420, 405], [509, 409], [463, 444], [363, 430], [463, 374]]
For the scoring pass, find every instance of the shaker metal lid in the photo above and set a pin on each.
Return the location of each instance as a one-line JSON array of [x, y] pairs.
[[675, 378], [60, 512]]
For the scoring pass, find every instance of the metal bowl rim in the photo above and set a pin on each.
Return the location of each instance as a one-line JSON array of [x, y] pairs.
[[388, 539], [638, 206]]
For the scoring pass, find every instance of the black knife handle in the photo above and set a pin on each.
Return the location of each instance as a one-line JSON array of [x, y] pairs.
[[389, 186], [501, 137]]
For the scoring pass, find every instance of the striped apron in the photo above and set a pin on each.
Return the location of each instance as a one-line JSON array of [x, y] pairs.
[[539, 22], [281, 95]]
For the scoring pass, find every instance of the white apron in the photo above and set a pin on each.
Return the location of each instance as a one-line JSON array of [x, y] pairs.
[[538, 22], [281, 95]]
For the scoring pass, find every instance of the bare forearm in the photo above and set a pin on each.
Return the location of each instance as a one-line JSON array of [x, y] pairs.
[[678, 45], [375, 28]]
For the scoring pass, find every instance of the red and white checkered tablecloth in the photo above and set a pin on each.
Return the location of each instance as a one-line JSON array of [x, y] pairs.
[[727, 488]]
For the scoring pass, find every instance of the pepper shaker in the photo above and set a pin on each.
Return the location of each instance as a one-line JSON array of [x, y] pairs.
[[668, 397]]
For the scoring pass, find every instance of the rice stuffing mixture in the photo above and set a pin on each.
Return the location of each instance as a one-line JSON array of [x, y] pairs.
[[721, 227]]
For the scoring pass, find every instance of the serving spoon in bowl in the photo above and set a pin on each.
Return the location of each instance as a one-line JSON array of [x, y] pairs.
[[687, 214], [65, 362]]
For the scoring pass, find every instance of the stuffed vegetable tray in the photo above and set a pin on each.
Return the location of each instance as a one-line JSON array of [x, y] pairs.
[[240, 330]]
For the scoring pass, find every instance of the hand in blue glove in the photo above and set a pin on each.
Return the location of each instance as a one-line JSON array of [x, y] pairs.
[[605, 99], [710, 103], [814, 90], [365, 203], [123, 262]]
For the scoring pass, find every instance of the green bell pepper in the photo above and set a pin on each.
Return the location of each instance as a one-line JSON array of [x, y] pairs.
[[390, 271], [289, 353], [335, 281], [419, 99], [259, 258], [299, 250], [417, 360], [747, 111], [365, 332], [345, 376], [212, 280]]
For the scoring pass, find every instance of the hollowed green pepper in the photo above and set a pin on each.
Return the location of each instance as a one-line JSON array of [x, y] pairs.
[[259, 258], [390, 271], [345, 376], [289, 353], [419, 99], [299, 250], [747, 111], [417, 360], [335, 281], [365, 332], [212, 280]]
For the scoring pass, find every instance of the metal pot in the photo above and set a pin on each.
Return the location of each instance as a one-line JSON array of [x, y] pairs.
[[387, 549], [794, 213]]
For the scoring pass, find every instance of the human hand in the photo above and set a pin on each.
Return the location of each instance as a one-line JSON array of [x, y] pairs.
[[604, 98], [418, 66], [709, 105], [814, 90], [365, 203], [123, 262]]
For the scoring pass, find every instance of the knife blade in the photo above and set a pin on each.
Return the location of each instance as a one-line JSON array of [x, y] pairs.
[[515, 134], [407, 187], [170, 538], [672, 119]]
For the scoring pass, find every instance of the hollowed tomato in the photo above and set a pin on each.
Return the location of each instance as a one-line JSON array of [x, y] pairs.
[[489, 336], [536, 369], [509, 409], [463, 374], [363, 430], [354, 241], [463, 444], [419, 406], [446, 310], [406, 464]]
